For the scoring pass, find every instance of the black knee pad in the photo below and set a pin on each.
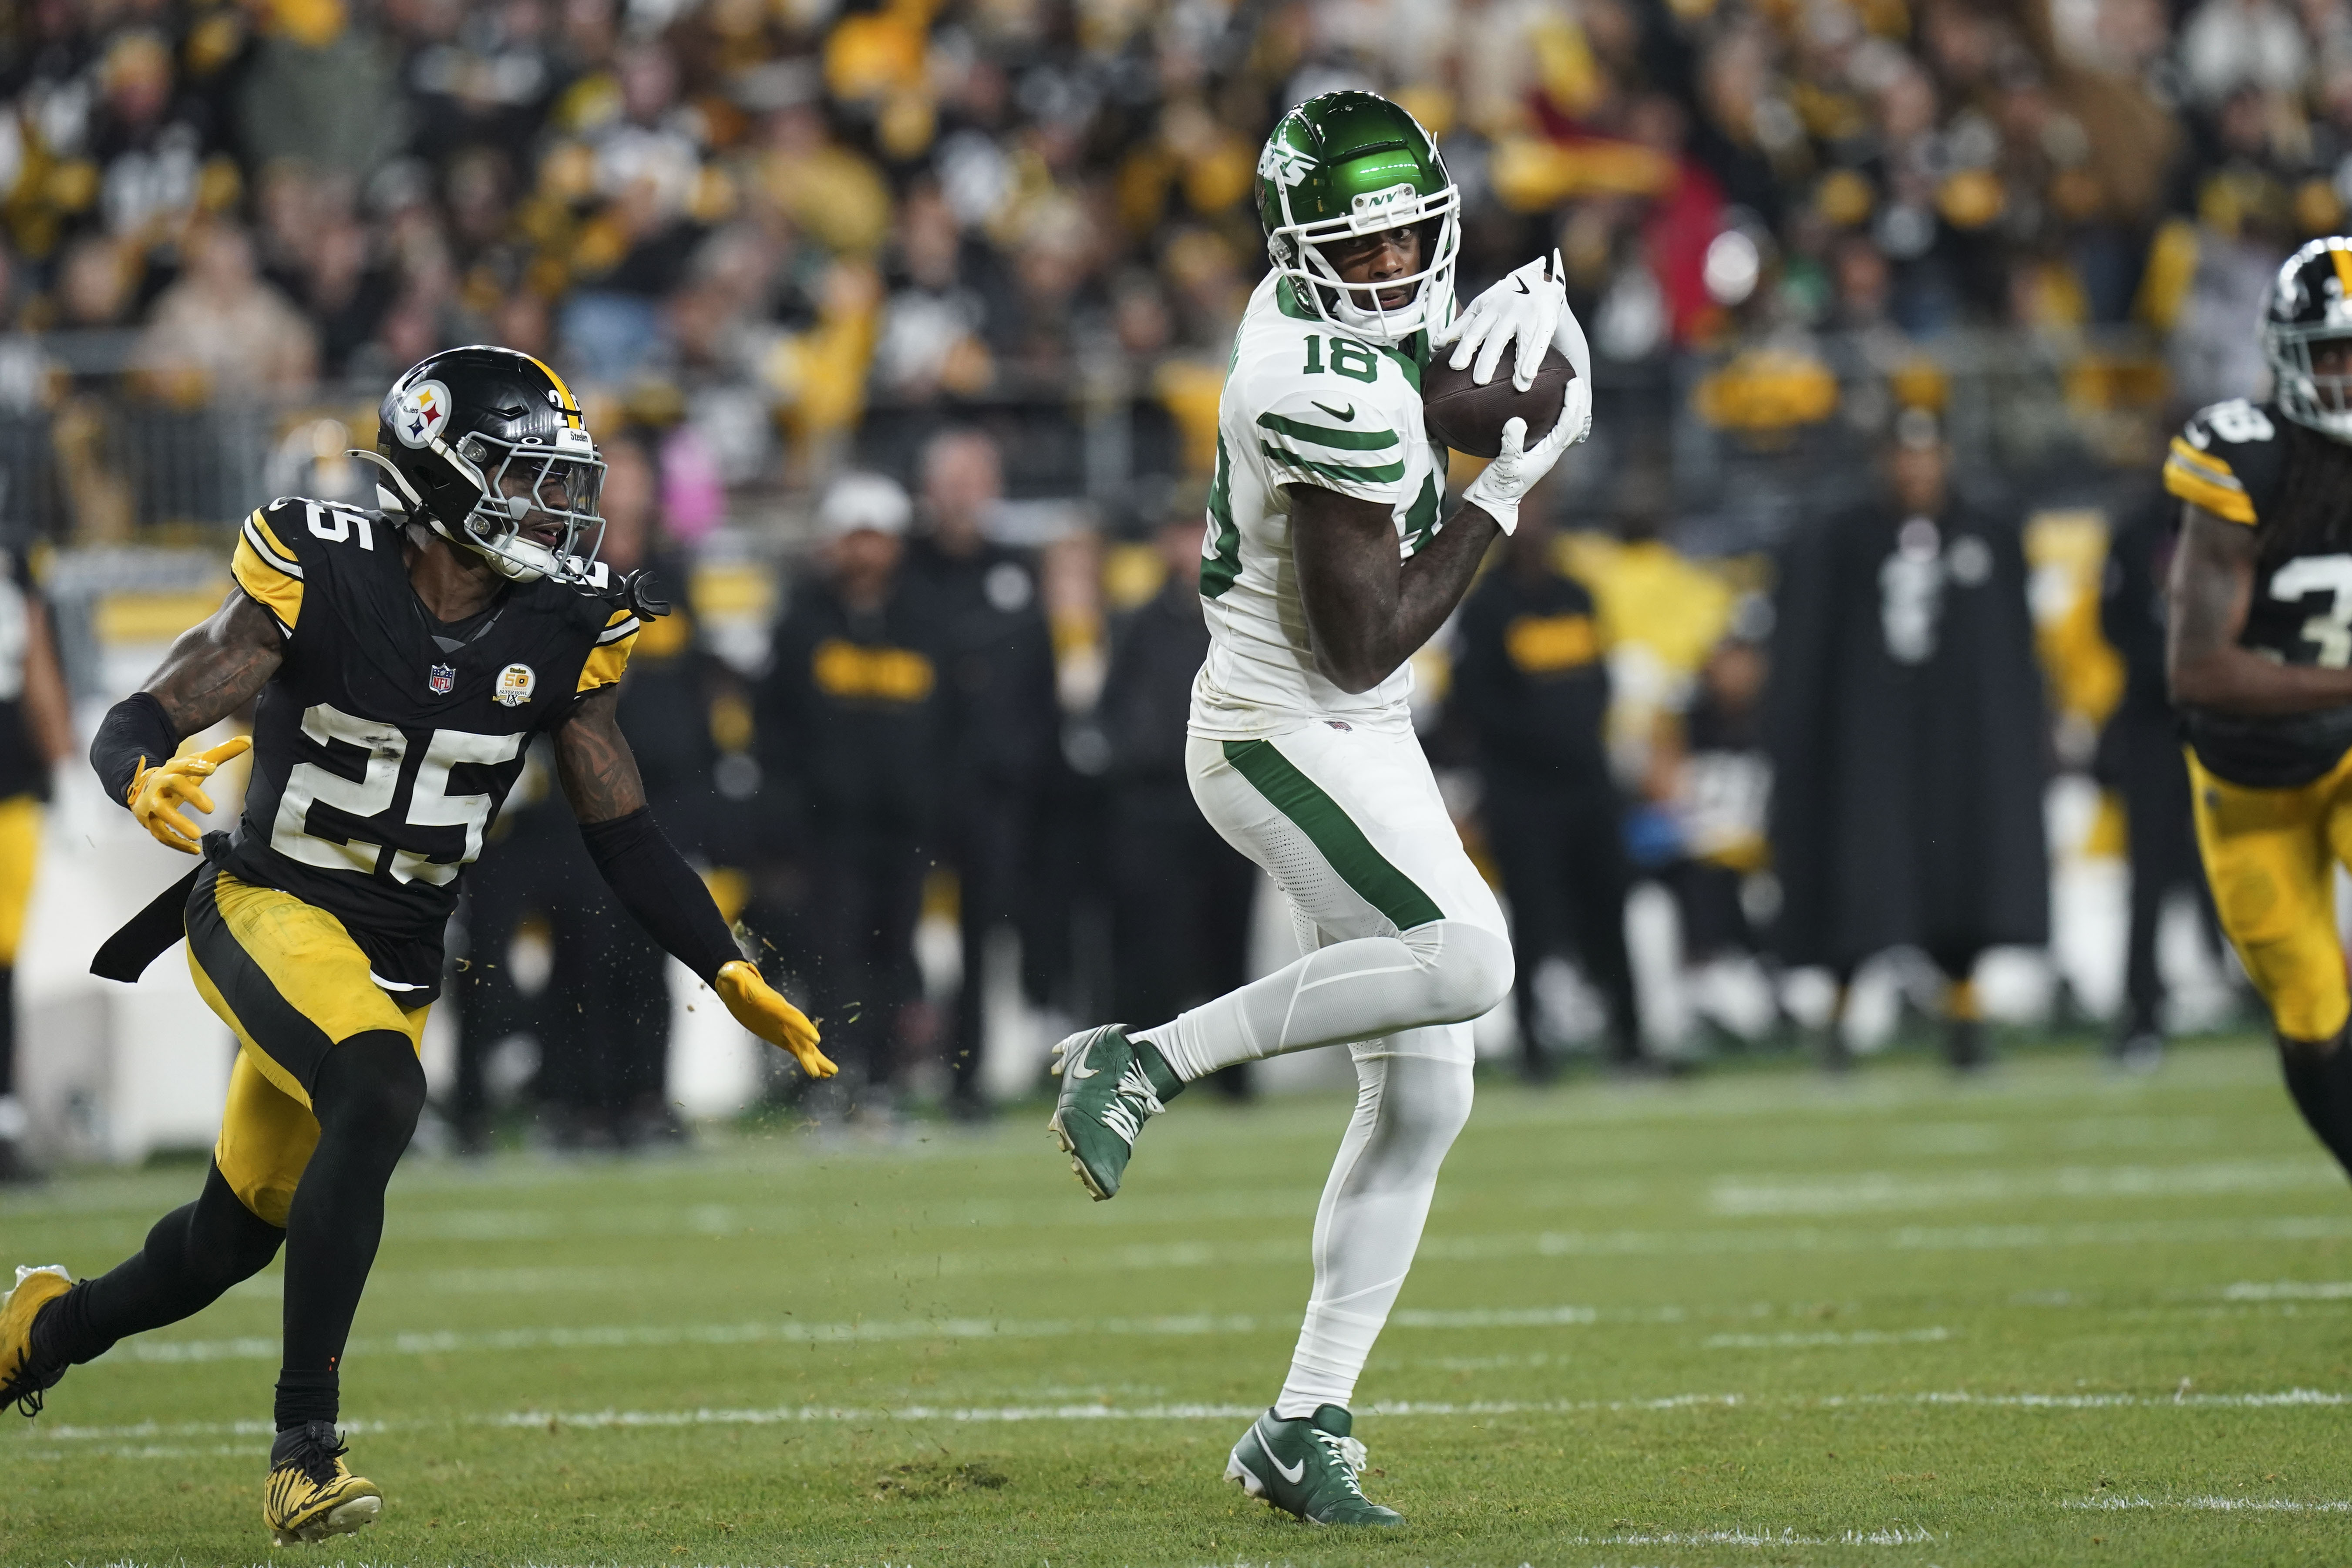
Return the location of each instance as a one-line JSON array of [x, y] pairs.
[[219, 1240], [2319, 1077], [370, 1084]]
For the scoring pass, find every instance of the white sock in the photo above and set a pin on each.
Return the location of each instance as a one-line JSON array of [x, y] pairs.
[[1440, 974], [1410, 1103]]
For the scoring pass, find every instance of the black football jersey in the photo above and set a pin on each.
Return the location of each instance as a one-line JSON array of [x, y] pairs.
[[385, 743], [2231, 460]]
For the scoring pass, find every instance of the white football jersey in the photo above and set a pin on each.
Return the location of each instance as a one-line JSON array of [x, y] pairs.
[[1304, 403]]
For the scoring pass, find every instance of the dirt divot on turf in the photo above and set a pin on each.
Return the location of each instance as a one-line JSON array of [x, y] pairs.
[[923, 1480]]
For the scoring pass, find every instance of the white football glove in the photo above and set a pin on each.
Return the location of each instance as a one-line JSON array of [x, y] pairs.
[[1530, 308], [1516, 468]]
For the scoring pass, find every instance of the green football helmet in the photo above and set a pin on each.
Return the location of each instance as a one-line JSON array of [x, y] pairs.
[[1349, 164]]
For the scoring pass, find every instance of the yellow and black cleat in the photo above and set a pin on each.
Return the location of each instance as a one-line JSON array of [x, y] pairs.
[[23, 1380], [310, 1495]]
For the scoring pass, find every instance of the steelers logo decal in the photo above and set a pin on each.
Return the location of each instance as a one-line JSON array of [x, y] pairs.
[[514, 686], [421, 413]]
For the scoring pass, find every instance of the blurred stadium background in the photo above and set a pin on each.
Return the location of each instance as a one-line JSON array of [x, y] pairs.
[[769, 240]]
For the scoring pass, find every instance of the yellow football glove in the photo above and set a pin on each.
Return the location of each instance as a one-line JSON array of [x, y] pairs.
[[762, 1008], [158, 792]]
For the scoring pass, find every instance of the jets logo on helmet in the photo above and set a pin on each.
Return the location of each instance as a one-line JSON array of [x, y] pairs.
[[1285, 165], [1343, 166], [2308, 337]]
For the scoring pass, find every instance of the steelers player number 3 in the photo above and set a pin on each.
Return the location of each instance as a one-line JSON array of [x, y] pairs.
[[2331, 631], [430, 802]]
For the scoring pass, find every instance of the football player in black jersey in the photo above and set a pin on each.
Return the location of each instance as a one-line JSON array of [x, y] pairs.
[[402, 658], [2259, 653]]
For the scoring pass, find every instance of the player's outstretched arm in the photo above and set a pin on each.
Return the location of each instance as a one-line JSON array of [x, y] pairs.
[[214, 668], [2207, 597], [1367, 612], [654, 882]]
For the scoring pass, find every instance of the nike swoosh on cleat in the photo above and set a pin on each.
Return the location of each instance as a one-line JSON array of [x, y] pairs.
[[1523, 286], [1347, 419], [1079, 1068], [1291, 1473]]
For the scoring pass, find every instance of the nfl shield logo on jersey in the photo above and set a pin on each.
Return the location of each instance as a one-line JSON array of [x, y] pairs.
[[513, 687], [443, 680]]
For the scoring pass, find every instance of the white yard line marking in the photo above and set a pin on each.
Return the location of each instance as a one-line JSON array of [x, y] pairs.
[[2213, 1504], [1906, 1238], [1876, 1192], [1901, 1535], [1811, 1342], [58, 1443], [2289, 1290]]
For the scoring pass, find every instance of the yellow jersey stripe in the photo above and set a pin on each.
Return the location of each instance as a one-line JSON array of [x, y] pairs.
[[606, 661], [2342, 259], [2211, 467], [270, 585], [269, 538], [2196, 488], [627, 628], [265, 543]]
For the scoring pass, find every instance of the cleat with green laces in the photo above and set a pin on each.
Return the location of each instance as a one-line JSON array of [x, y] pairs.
[[1307, 1467], [1110, 1087]]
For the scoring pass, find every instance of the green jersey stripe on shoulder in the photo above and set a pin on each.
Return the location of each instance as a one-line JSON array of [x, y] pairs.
[[1286, 300], [1222, 563], [1333, 832], [1324, 436], [1340, 473], [1421, 520]]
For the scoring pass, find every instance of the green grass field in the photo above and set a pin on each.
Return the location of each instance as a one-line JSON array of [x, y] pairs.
[[1760, 1318]]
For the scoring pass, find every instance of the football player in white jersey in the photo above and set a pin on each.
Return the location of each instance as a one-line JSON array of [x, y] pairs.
[[1326, 566]]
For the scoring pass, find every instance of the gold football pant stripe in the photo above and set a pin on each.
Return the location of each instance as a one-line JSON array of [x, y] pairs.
[[20, 847], [2271, 856], [290, 982]]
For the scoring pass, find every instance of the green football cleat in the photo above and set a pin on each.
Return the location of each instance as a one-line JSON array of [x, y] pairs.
[[1307, 1468], [1109, 1088]]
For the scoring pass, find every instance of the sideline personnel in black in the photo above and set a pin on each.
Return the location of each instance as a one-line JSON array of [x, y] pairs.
[[402, 661], [1904, 714], [849, 723], [1181, 894], [997, 675], [1532, 681], [2140, 758]]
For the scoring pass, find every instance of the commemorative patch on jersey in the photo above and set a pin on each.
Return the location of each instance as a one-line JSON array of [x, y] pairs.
[[443, 679], [421, 413], [514, 686]]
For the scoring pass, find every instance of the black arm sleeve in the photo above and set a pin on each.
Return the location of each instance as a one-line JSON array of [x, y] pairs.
[[655, 884], [134, 729]]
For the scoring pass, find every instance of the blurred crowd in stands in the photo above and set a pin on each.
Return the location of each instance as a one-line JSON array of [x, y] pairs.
[[756, 226], [913, 316]]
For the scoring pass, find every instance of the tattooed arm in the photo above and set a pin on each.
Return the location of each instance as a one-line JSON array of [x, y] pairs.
[[217, 665], [592, 757], [654, 882], [1367, 611], [2206, 598]]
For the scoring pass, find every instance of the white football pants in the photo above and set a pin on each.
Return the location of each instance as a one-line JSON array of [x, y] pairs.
[[1402, 945]]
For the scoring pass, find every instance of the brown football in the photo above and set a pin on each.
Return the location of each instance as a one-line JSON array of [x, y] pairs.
[[1468, 417]]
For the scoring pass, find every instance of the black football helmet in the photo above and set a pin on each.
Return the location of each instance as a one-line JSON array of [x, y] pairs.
[[2310, 304], [485, 445]]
